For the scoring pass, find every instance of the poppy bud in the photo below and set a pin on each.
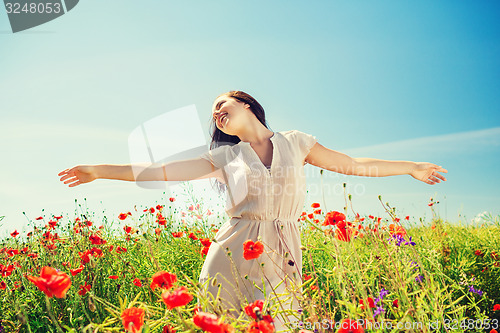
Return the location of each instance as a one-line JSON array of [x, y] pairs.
[[303, 248], [214, 282]]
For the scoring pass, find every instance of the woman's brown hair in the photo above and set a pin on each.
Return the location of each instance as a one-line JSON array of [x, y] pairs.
[[220, 138]]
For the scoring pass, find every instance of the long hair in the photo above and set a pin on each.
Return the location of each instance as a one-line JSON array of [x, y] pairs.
[[220, 138]]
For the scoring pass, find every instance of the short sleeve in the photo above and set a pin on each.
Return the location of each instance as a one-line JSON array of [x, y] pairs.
[[217, 156], [305, 142]]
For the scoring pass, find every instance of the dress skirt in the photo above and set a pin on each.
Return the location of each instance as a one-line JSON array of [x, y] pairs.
[[275, 276]]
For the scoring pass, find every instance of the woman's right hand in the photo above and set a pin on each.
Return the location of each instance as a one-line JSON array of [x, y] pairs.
[[77, 175]]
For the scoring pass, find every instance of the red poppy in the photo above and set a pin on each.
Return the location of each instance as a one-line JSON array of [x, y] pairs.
[[171, 199], [96, 240], [493, 331], [343, 233], [210, 323], [260, 326], [205, 242], [307, 277], [120, 249], [407, 217], [14, 234], [122, 216], [317, 211], [204, 251], [332, 218], [178, 297], [52, 282], [39, 218], [250, 308], [495, 256], [496, 307], [252, 250], [315, 205], [178, 234], [350, 326], [478, 253], [2, 285], [371, 303], [157, 231], [168, 329], [76, 270], [163, 280], [137, 282], [84, 289], [397, 230], [395, 303], [133, 319], [113, 277]]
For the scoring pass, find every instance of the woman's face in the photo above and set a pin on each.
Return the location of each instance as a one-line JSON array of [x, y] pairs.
[[230, 114]]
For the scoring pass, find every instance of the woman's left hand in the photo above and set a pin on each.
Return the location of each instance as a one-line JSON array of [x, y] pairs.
[[428, 173]]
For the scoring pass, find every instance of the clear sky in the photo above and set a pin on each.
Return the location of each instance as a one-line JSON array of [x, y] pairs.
[[395, 80]]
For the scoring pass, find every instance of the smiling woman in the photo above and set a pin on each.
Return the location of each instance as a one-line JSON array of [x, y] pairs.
[[263, 173]]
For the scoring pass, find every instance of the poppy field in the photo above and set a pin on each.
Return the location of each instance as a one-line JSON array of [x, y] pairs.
[[138, 272]]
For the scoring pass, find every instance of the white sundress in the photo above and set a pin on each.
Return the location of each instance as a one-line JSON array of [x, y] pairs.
[[262, 204]]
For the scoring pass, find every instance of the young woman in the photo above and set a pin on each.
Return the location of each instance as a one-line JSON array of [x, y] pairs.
[[263, 173]]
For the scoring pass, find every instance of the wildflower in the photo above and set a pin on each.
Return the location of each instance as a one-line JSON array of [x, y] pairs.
[[113, 277], [395, 303], [410, 242], [317, 211], [260, 326], [350, 326], [378, 311], [39, 218], [76, 270], [52, 282], [476, 291], [419, 278], [3, 286], [168, 328], [407, 218], [370, 301], [332, 218], [127, 229], [496, 307], [177, 234], [14, 234], [397, 230], [383, 293], [343, 233], [204, 251], [192, 236], [84, 289], [163, 279], [133, 319], [252, 307], [178, 297], [137, 282], [96, 240], [171, 199], [252, 250], [208, 322], [307, 277], [205, 242], [478, 253], [315, 205], [122, 216]]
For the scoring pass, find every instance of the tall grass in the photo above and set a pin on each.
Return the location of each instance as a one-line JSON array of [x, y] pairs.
[[446, 277]]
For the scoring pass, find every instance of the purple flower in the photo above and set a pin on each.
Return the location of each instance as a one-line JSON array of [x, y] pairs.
[[383, 293], [410, 242], [378, 311], [476, 291], [419, 278]]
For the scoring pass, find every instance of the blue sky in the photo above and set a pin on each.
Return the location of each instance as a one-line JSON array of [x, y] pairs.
[[387, 79]]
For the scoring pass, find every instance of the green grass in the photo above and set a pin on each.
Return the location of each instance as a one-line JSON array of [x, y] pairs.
[[430, 280]]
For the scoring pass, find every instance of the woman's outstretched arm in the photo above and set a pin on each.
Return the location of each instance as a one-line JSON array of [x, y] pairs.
[[192, 169], [332, 160]]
